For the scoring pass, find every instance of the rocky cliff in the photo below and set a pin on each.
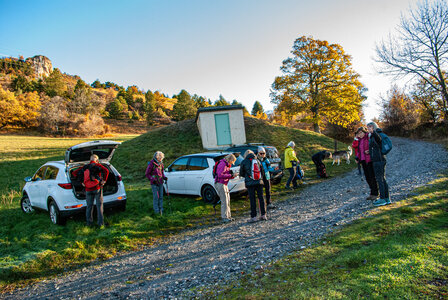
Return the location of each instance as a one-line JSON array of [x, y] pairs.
[[41, 64]]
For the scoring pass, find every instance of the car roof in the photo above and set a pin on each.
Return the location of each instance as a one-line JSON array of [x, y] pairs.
[[208, 154]]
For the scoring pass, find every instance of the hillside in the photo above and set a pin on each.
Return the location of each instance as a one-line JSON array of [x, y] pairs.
[[183, 138]]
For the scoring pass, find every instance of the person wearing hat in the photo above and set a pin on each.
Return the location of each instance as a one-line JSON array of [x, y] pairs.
[[261, 153], [291, 162], [364, 158]]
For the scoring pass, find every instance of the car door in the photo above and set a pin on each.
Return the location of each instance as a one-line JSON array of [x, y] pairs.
[[176, 175], [35, 186], [48, 183], [196, 171]]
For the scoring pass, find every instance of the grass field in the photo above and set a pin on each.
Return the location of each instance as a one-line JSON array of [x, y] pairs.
[[397, 252], [31, 248]]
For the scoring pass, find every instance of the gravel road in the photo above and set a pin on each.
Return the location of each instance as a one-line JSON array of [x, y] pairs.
[[206, 257]]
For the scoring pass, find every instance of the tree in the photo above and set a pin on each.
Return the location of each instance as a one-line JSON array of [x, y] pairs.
[[149, 107], [257, 108], [21, 83], [419, 50], [54, 84], [221, 101], [185, 107], [430, 100], [21, 110], [318, 80], [200, 101]]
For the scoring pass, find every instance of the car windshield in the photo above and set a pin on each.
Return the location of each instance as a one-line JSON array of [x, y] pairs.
[[84, 154]]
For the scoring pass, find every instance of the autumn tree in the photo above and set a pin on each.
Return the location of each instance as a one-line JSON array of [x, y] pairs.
[[200, 101], [185, 107], [319, 80], [430, 100], [21, 110], [257, 108], [419, 49], [221, 101]]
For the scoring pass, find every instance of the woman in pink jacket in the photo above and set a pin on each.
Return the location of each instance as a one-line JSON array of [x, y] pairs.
[[366, 162], [223, 175]]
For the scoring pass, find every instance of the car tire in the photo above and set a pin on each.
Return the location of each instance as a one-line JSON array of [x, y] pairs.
[[55, 215], [208, 194], [122, 206], [25, 205]]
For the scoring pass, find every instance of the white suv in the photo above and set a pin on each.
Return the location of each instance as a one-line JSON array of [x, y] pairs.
[[193, 175], [53, 187]]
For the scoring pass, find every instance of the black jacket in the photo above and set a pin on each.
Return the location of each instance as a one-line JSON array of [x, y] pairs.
[[375, 146], [246, 170]]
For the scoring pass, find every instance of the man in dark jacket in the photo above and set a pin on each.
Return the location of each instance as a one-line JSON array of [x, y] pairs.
[[318, 161], [254, 184], [379, 163]]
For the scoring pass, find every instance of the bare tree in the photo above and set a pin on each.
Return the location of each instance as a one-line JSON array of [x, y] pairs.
[[419, 49]]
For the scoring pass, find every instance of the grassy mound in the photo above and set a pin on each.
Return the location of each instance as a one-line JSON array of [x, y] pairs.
[[183, 138]]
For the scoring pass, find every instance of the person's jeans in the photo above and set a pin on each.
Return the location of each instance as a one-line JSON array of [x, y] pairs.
[[157, 198], [91, 197], [379, 167], [292, 177], [253, 202], [267, 190], [224, 196], [370, 177]]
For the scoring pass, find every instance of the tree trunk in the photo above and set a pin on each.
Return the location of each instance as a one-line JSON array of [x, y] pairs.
[[316, 128]]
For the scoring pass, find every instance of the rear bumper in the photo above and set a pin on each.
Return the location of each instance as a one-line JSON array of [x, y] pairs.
[[76, 211]]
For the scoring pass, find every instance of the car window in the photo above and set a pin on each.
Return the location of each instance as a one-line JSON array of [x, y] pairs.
[[40, 173], [238, 161], [179, 165], [197, 164], [51, 173]]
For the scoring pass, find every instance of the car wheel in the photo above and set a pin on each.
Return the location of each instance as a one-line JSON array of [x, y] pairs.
[[209, 194], [55, 215], [25, 204], [122, 206]]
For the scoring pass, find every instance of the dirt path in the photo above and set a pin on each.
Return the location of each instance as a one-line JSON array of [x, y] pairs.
[[208, 256]]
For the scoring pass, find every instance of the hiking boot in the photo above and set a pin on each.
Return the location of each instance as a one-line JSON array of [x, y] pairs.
[[271, 206], [263, 218], [372, 197], [226, 220], [388, 201], [288, 187], [379, 202], [253, 220]]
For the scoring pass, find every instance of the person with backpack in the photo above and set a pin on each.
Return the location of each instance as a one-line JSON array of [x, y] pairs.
[[156, 176], [251, 169], [266, 164], [318, 161], [379, 146], [291, 163], [222, 175], [363, 157], [94, 177]]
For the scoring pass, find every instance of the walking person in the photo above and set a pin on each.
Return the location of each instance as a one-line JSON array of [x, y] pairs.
[[155, 174], [266, 164], [95, 176], [251, 169], [378, 162], [223, 175], [291, 163], [318, 161], [363, 156]]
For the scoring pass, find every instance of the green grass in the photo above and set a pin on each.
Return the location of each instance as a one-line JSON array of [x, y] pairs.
[[31, 248], [398, 252]]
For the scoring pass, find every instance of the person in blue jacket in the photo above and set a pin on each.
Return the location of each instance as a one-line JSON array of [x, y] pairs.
[[266, 175]]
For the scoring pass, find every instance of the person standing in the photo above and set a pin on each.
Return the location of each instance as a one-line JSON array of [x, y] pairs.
[[93, 182], [318, 161], [266, 175], [378, 162], [363, 156], [291, 163], [251, 170], [223, 175], [155, 174]]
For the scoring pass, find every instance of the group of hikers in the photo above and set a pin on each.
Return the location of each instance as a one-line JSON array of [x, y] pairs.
[[256, 168]]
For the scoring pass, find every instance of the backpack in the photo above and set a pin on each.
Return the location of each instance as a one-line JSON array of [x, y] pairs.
[[215, 167], [255, 173], [88, 182], [386, 144]]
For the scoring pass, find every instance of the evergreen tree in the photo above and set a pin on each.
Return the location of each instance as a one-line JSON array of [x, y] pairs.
[[149, 107], [257, 108], [185, 107]]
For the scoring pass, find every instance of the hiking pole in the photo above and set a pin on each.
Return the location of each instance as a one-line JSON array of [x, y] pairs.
[[168, 197]]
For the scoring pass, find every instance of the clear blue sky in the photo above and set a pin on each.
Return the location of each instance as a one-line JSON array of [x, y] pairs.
[[233, 48]]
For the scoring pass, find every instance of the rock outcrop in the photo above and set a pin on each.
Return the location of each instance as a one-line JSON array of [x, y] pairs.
[[41, 64]]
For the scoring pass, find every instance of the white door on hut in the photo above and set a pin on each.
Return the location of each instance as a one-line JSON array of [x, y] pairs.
[[222, 126]]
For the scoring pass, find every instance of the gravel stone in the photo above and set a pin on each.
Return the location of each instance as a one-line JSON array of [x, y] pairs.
[[210, 257]]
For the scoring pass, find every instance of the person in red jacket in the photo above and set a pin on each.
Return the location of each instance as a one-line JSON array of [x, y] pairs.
[[93, 183]]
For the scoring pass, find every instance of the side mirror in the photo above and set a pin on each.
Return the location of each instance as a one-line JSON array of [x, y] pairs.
[[28, 179], [167, 170]]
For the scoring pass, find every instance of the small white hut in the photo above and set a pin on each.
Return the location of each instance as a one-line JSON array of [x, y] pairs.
[[221, 126]]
